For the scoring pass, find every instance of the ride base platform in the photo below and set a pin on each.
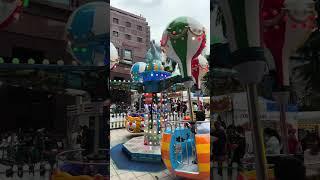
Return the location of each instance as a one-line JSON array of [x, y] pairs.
[[137, 151]]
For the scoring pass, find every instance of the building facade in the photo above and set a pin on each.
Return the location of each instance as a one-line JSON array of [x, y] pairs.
[[130, 34]]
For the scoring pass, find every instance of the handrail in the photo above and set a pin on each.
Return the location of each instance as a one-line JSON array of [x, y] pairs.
[[59, 158]]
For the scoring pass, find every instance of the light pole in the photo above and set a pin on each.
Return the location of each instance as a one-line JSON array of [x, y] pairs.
[[243, 33]]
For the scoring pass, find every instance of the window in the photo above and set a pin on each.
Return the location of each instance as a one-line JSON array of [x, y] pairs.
[[128, 24], [139, 27], [121, 29], [127, 54], [139, 39], [128, 36], [115, 20], [115, 33]]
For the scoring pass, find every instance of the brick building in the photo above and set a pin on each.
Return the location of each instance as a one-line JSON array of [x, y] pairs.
[[130, 34]]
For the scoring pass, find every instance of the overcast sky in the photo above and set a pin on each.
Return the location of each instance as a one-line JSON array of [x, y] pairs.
[[161, 12]]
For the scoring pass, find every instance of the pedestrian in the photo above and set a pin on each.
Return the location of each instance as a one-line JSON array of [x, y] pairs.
[[293, 143], [240, 145], [312, 158], [219, 146], [272, 141]]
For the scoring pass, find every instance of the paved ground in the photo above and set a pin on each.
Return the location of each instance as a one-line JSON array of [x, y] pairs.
[[118, 136]]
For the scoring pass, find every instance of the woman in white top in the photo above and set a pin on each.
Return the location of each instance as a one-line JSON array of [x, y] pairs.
[[312, 159], [272, 141]]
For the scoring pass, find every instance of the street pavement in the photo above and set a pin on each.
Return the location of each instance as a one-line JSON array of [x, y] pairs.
[[119, 136]]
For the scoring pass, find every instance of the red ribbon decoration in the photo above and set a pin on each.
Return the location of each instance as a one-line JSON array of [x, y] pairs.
[[274, 38]]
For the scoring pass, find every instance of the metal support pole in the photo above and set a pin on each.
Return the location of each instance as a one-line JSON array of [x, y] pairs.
[[96, 134], [282, 98], [259, 150], [190, 104]]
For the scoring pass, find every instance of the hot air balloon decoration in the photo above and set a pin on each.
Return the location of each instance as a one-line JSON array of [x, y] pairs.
[[88, 34]]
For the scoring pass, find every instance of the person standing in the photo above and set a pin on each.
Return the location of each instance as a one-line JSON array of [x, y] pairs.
[[219, 145], [293, 143], [272, 141], [240, 146], [312, 158]]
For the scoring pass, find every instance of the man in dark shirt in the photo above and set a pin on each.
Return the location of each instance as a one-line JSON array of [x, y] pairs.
[[219, 146]]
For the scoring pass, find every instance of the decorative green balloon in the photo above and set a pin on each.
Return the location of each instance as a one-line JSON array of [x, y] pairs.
[[183, 40]]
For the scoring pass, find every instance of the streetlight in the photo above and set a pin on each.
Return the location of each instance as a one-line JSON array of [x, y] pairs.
[[243, 33]]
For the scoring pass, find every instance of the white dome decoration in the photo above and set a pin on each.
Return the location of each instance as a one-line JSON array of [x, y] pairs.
[[74, 63], [46, 62], [60, 62], [31, 61]]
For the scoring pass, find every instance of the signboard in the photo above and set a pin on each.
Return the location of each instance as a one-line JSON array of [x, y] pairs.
[[242, 116]]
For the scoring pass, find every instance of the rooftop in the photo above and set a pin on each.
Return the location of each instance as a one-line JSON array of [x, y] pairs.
[[127, 13]]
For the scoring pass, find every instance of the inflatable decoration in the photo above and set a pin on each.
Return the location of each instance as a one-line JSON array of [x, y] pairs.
[[154, 71], [88, 34], [183, 40], [136, 71], [10, 11], [287, 25], [114, 57], [200, 68], [135, 123]]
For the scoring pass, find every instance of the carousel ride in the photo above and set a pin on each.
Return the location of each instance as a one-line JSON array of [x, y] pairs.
[[184, 150], [150, 76]]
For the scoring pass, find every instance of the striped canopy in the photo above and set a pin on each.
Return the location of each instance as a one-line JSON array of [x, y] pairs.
[[183, 40]]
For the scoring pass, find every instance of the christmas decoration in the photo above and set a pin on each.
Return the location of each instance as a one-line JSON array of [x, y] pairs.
[[114, 57], [183, 40]]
